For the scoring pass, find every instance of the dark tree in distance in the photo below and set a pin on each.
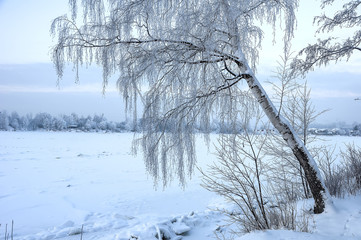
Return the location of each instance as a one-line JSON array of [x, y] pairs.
[[190, 56]]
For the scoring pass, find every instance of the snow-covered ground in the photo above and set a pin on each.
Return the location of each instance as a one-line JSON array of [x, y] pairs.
[[53, 183]]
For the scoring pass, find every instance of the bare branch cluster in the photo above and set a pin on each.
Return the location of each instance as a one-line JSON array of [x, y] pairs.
[[242, 177], [342, 172]]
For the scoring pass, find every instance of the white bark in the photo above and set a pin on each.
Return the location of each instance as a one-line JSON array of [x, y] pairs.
[[314, 178]]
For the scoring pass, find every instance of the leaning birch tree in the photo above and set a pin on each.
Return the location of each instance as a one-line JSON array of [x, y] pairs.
[[186, 61]]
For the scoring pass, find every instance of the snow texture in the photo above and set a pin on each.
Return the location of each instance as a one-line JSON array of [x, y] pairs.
[[53, 183]]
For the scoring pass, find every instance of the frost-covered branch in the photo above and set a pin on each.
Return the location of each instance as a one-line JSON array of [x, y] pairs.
[[184, 59], [181, 57], [332, 49]]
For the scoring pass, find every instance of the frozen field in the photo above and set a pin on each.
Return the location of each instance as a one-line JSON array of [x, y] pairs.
[[52, 183]]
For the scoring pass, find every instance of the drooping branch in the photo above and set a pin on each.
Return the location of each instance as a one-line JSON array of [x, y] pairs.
[[332, 49], [167, 53], [347, 17]]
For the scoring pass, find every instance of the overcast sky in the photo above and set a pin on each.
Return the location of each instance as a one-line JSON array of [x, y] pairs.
[[28, 80]]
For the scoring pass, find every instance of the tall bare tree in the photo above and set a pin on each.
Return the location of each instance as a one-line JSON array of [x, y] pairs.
[[294, 103], [184, 59]]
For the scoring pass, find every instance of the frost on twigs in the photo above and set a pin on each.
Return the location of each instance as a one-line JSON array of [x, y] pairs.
[[332, 49], [181, 60]]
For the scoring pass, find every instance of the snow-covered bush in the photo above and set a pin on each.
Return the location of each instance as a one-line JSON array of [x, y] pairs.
[[59, 124], [342, 177], [4, 121], [333, 173], [42, 121], [352, 165], [243, 176], [15, 121], [240, 177]]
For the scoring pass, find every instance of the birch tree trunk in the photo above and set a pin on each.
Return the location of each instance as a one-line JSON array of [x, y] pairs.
[[319, 190]]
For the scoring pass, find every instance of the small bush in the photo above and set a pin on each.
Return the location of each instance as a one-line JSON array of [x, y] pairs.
[[333, 173], [9, 232], [240, 178], [343, 178], [352, 168]]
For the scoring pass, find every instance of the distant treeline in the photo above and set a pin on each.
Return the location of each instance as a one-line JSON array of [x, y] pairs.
[[47, 122], [354, 131], [96, 123]]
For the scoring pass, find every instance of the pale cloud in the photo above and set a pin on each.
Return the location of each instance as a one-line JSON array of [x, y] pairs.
[[319, 93], [351, 66]]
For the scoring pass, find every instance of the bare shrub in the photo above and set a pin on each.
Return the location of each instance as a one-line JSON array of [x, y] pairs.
[[352, 167], [9, 235], [293, 100], [285, 172], [341, 177], [240, 178], [333, 173]]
